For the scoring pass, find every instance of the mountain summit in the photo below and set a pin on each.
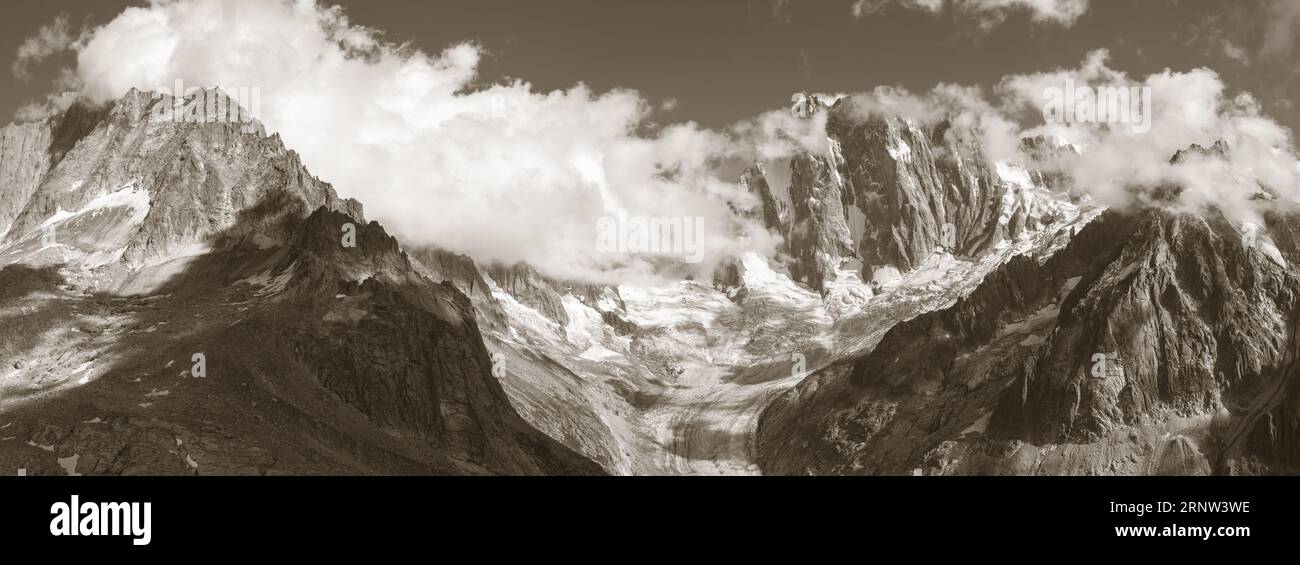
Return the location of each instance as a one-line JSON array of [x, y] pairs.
[[195, 301]]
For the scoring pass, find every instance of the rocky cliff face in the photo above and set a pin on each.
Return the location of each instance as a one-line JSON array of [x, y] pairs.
[[323, 348], [24, 158], [185, 180], [773, 212], [890, 192], [529, 287], [819, 240], [1138, 349], [459, 270]]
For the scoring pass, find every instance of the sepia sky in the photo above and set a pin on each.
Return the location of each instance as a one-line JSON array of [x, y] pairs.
[[719, 61]]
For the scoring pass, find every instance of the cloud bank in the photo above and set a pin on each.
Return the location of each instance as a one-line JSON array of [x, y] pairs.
[[1114, 164], [989, 12], [499, 171], [503, 172]]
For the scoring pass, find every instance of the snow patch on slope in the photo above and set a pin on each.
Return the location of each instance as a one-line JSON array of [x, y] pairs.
[[1014, 175], [128, 196]]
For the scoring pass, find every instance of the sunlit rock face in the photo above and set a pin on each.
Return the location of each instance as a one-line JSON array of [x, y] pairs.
[[889, 192], [1154, 343], [185, 298], [184, 179]]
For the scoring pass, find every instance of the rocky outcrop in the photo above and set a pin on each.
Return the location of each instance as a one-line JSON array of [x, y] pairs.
[[24, 158], [1218, 150], [460, 270], [890, 192], [320, 358], [819, 240], [1135, 350], [327, 349], [407, 353], [531, 288], [196, 176], [772, 211]]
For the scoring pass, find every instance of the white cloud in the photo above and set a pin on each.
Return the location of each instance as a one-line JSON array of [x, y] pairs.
[[990, 12], [1192, 107], [1117, 165], [501, 172], [504, 172]]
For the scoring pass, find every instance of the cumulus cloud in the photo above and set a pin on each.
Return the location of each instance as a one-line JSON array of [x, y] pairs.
[[501, 172], [1187, 108], [504, 172], [989, 12], [966, 108], [1116, 163]]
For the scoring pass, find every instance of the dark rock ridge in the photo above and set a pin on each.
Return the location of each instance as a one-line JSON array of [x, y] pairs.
[[529, 287], [1154, 343], [321, 358], [773, 211], [407, 352], [819, 238], [1218, 149], [460, 270]]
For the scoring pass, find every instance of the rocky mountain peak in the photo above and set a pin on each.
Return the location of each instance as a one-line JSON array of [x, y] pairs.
[[1154, 342], [890, 192], [167, 181], [1218, 149], [327, 350]]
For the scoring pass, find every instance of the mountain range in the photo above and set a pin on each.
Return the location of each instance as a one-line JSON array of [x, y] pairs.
[[186, 298]]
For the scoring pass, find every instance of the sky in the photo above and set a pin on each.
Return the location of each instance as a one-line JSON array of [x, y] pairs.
[[508, 130], [726, 60]]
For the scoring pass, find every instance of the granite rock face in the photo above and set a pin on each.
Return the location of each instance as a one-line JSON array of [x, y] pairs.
[[1153, 343], [24, 158], [773, 211], [187, 179], [208, 306], [531, 288], [889, 192], [819, 240]]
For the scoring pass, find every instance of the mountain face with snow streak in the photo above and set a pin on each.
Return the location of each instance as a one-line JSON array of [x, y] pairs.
[[191, 179], [1153, 343], [182, 298], [635, 379], [640, 378], [930, 310]]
